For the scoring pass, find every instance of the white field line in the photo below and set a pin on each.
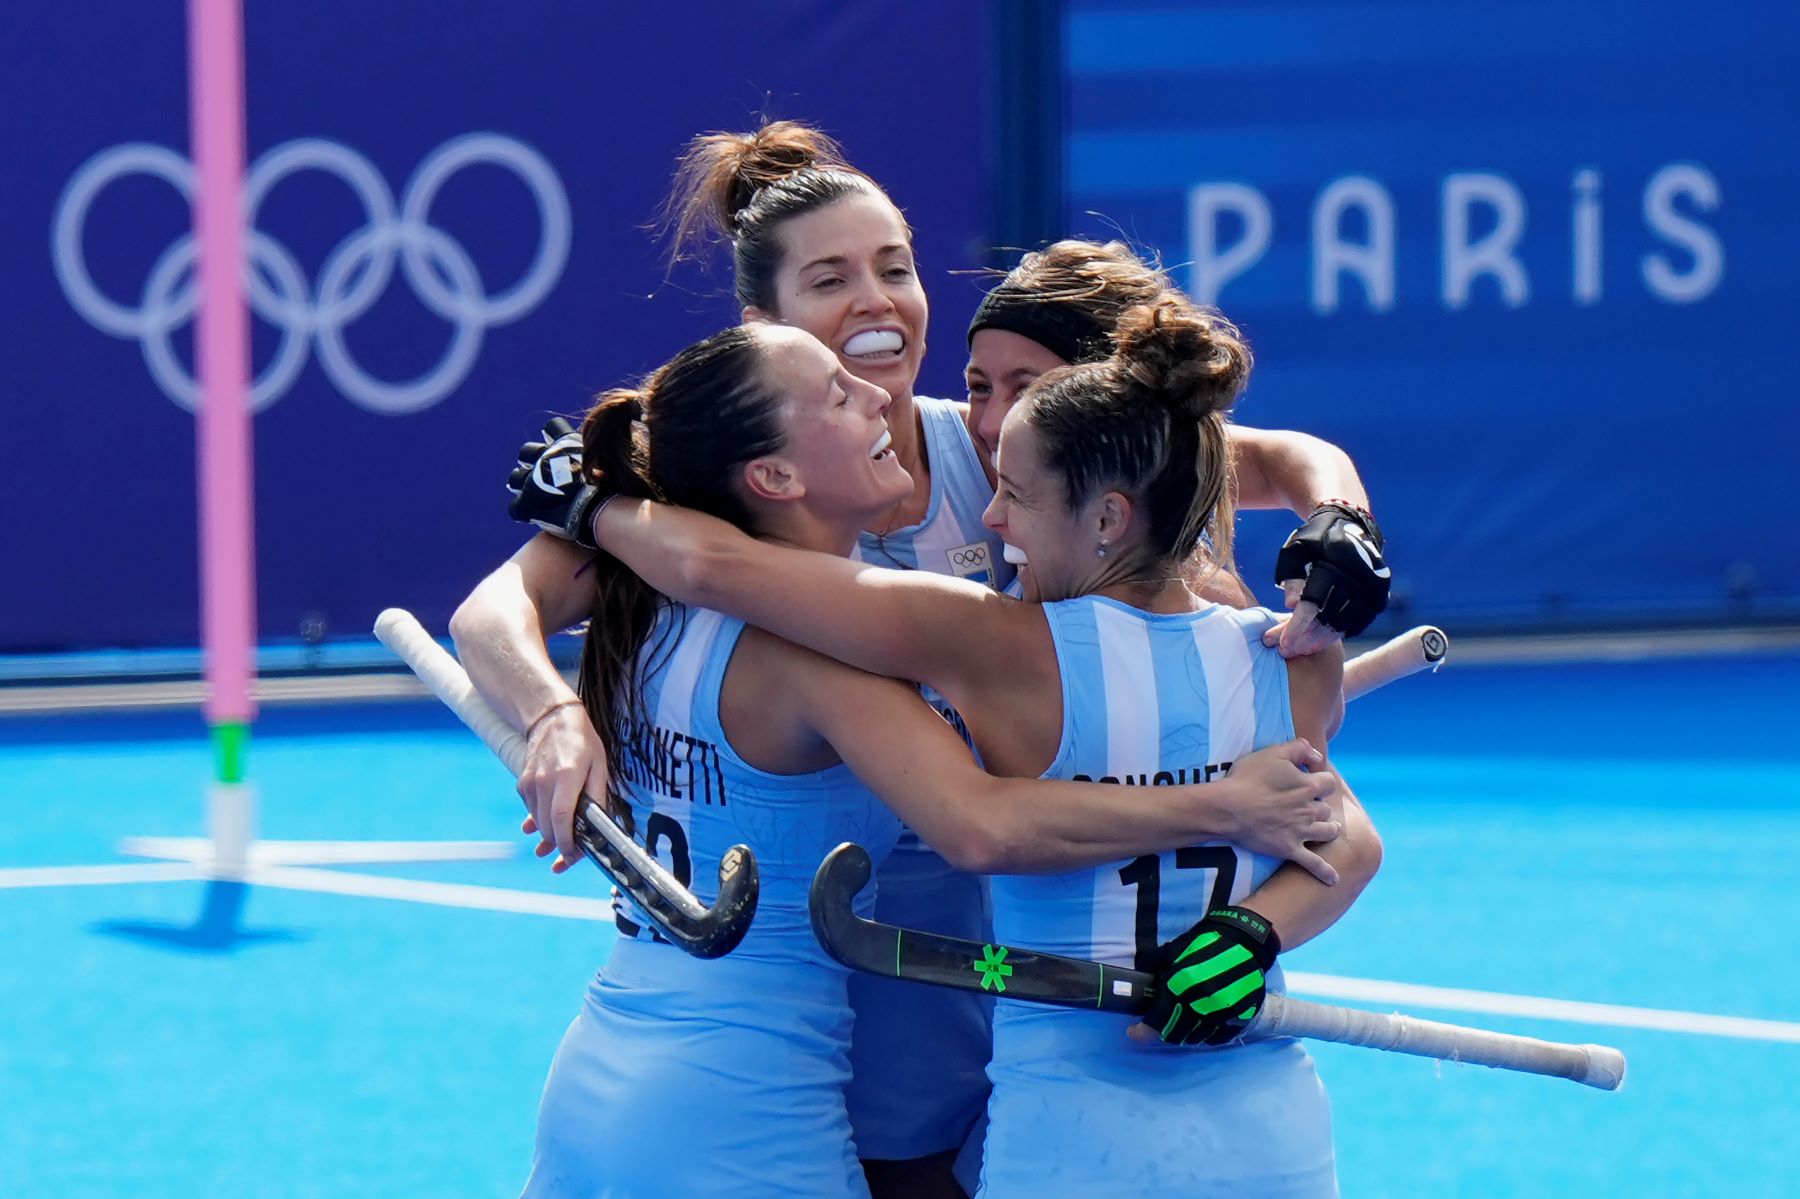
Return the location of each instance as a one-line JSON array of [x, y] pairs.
[[87, 876], [450, 895], [320, 853], [537, 903], [1493, 1003]]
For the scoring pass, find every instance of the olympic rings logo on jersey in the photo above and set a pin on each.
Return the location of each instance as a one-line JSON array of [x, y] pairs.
[[973, 561], [354, 276], [970, 556]]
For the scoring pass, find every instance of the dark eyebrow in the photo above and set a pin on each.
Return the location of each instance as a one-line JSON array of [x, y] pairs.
[[833, 260], [972, 369]]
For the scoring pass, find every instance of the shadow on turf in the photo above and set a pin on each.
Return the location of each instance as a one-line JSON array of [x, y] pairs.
[[217, 930]]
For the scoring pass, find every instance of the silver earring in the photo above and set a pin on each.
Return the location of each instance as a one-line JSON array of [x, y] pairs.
[[1100, 549]]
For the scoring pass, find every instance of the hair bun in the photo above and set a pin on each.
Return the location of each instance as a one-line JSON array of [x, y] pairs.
[[771, 154], [719, 175], [1183, 356]]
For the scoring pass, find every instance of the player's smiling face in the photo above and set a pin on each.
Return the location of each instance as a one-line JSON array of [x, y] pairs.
[[835, 456], [1052, 546], [847, 277], [1002, 364]]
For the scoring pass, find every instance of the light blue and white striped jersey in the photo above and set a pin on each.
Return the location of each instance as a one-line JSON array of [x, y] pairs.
[[1077, 1106], [693, 797], [758, 1039], [951, 540], [1148, 700]]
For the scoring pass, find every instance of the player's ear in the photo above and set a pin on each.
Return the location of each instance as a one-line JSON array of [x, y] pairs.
[[773, 478], [1110, 514]]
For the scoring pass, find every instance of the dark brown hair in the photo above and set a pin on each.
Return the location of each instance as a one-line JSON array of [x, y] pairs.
[[1150, 421], [742, 187], [677, 437]]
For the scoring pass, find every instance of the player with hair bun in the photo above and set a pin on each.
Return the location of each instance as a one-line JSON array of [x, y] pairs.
[[1110, 473], [1058, 307], [688, 1077], [818, 245]]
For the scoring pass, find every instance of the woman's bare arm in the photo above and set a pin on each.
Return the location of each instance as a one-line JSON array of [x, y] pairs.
[[907, 754], [501, 628], [1292, 900], [953, 634], [499, 632], [1278, 468]]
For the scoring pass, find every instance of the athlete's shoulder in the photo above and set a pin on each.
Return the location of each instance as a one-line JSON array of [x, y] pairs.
[[1254, 621], [956, 408]]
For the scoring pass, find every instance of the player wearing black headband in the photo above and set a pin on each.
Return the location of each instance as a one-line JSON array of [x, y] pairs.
[[817, 245], [1059, 307]]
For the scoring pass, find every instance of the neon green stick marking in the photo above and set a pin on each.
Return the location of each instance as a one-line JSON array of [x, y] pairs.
[[231, 746], [1100, 996], [993, 968], [897, 935]]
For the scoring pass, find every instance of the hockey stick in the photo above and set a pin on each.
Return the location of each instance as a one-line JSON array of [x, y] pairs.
[[1021, 974], [674, 910], [1410, 652]]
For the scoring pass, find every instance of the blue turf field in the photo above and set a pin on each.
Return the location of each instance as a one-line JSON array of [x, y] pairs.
[[1610, 833]]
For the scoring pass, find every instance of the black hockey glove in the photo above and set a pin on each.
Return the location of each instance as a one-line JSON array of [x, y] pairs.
[[547, 486], [1338, 552], [1211, 979]]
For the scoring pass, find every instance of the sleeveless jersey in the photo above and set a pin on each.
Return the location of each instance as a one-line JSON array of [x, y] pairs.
[[919, 1054], [951, 540], [1078, 1107], [723, 1077]]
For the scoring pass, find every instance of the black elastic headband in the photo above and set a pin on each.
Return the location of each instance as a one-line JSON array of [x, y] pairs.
[[1060, 326]]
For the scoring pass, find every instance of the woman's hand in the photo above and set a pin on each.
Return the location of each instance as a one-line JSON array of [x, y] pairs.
[[1301, 634], [1284, 808], [1334, 577], [564, 760], [547, 488], [1211, 980]]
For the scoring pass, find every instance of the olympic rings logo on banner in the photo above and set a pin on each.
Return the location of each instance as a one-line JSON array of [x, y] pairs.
[[354, 276]]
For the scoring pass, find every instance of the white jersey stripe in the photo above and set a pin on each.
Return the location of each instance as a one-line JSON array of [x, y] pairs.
[[1230, 689], [1128, 673], [675, 701]]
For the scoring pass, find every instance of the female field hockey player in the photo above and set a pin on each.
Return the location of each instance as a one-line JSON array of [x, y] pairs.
[[687, 1077], [1059, 307], [1109, 474], [818, 245]]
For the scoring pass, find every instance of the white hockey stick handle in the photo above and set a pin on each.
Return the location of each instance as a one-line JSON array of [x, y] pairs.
[[444, 676], [1591, 1065], [401, 632], [1412, 651]]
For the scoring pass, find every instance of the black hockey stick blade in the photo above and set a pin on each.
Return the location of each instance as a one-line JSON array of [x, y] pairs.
[[674, 911], [953, 962]]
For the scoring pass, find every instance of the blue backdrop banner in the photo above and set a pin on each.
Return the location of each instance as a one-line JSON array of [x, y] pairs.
[[1533, 264], [448, 205]]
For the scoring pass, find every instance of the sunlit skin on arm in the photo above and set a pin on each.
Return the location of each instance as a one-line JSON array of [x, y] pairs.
[[1297, 905], [921, 768]]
